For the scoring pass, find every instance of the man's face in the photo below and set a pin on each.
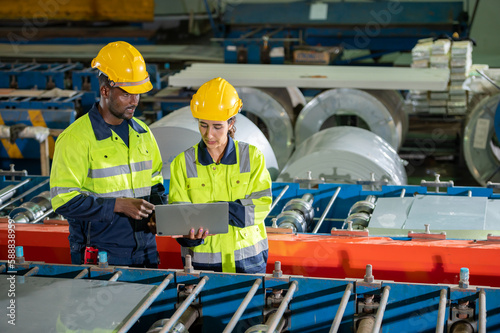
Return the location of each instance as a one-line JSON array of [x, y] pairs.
[[122, 104]]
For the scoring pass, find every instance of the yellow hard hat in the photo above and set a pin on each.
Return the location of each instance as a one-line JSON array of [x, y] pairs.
[[216, 100], [124, 65]]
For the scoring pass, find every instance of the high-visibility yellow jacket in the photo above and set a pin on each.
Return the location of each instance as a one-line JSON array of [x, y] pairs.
[[241, 178], [92, 166]]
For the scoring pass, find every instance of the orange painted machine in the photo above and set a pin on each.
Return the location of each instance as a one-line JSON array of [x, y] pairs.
[[387, 227]]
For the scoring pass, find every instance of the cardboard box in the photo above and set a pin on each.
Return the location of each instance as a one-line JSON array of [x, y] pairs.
[[316, 55]]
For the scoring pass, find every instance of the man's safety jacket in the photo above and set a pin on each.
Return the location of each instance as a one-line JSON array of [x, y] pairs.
[[92, 166]]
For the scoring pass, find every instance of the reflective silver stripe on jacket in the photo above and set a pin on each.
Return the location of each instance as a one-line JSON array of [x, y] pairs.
[[244, 157], [142, 191], [120, 169], [55, 191], [202, 257], [109, 172], [255, 195], [190, 158], [155, 174], [249, 215], [141, 166], [129, 193], [251, 251]]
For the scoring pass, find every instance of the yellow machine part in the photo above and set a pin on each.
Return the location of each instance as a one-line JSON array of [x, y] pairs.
[[78, 10]]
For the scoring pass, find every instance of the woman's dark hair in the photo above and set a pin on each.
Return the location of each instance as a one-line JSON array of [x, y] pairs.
[[230, 121]]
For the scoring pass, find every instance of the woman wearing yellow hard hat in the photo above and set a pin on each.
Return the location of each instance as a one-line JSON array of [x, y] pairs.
[[220, 168]]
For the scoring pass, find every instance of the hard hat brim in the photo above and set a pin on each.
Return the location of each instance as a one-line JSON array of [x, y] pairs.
[[140, 89]]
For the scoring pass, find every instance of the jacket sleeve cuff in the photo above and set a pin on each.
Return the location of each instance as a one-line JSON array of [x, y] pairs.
[[236, 214], [185, 242], [109, 209]]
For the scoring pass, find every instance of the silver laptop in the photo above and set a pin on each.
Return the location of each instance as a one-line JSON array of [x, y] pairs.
[[178, 219]]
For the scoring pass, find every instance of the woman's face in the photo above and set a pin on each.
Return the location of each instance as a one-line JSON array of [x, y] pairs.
[[214, 133]]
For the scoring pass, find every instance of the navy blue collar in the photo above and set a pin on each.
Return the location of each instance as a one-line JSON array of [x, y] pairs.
[[229, 154], [101, 130]]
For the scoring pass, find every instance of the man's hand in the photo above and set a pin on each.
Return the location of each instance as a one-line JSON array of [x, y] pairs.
[[152, 223], [134, 208]]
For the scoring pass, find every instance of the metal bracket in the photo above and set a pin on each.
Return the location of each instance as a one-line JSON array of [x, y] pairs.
[[349, 233], [426, 234], [273, 230], [492, 185], [436, 183], [309, 182], [12, 172], [380, 182], [492, 238], [373, 181]]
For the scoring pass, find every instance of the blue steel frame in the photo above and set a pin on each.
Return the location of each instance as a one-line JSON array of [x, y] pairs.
[[410, 307], [351, 193], [34, 75], [379, 26]]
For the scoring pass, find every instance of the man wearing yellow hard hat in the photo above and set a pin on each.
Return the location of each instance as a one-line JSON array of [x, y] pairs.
[[220, 168], [106, 172]]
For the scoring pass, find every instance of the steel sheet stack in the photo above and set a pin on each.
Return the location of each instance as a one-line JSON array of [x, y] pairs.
[[460, 64], [455, 56], [421, 56]]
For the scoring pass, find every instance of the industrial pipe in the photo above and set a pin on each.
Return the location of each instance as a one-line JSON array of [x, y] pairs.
[[185, 304], [278, 198], [381, 310], [82, 274], [9, 191], [327, 209], [276, 317], [146, 304], [340, 312], [34, 188], [234, 320], [47, 213], [32, 271], [441, 311], [116, 276], [482, 312]]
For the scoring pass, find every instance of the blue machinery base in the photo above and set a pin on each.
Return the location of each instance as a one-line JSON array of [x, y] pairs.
[[314, 302]]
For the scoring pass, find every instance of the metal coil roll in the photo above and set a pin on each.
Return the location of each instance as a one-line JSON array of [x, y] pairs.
[[481, 144], [178, 131], [277, 125], [345, 154], [382, 112]]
